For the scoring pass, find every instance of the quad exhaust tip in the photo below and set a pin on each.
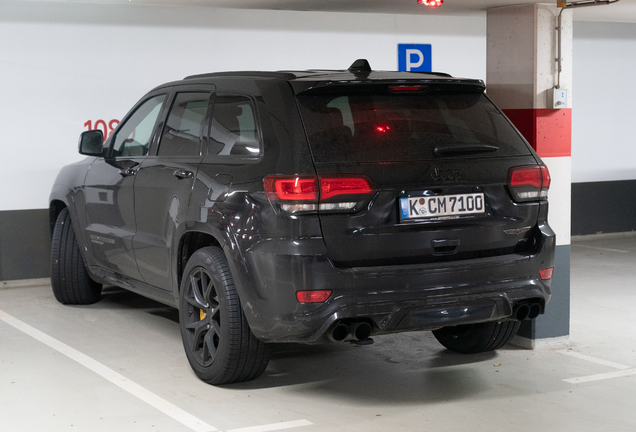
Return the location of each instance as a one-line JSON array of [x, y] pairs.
[[535, 310], [339, 332], [358, 331], [526, 311]]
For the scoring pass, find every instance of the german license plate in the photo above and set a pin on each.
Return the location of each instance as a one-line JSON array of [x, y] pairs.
[[441, 206]]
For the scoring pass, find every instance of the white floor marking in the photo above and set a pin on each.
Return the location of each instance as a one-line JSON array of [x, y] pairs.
[[599, 248], [119, 380], [595, 360], [274, 426], [598, 377]]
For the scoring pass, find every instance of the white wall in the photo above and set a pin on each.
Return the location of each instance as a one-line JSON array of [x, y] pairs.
[[604, 106], [63, 64]]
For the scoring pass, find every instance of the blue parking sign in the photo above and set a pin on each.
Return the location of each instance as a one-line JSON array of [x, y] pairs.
[[414, 58]]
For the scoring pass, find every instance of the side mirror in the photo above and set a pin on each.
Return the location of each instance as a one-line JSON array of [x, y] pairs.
[[91, 143]]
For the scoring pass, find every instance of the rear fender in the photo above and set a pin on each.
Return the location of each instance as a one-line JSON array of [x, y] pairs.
[[223, 234]]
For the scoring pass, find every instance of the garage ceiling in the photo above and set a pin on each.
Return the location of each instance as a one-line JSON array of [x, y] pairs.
[[623, 11]]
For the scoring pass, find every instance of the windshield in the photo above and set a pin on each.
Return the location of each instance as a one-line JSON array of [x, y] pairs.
[[372, 123]]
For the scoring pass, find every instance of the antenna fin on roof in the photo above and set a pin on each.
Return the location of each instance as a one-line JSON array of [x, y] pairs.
[[360, 65]]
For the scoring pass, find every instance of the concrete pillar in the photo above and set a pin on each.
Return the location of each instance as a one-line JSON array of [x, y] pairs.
[[521, 78]]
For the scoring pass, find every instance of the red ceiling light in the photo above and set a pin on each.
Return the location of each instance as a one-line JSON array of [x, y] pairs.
[[431, 3]]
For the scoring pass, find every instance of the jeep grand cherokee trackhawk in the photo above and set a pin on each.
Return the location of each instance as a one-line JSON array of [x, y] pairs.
[[310, 206]]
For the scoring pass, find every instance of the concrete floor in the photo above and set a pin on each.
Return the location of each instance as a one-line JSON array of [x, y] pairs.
[[119, 366]]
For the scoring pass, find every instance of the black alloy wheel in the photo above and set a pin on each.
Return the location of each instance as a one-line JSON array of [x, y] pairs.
[[217, 339], [202, 318], [476, 338]]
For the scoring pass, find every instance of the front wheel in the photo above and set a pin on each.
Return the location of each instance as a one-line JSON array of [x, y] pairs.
[[70, 280], [476, 338], [217, 339]]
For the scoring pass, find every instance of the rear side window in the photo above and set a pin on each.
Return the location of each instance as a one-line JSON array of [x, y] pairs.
[[182, 133], [371, 124], [233, 131]]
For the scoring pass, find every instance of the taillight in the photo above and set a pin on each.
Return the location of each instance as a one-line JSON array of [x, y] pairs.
[[291, 188], [335, 186], [310, 193], [546, 274], [529, 183], [318, 296]]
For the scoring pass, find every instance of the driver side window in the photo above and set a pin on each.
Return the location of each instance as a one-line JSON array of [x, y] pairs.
[[133, 137]]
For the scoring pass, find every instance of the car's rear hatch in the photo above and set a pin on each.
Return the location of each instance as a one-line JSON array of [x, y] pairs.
[[437, 157]]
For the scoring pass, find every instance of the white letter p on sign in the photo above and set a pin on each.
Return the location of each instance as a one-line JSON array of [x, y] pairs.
[[418, 63]]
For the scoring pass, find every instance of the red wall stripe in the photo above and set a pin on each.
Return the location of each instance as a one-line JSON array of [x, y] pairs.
[[549, 131]]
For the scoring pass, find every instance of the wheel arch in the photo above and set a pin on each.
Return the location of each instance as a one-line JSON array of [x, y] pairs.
[[62, 198], [55, 208], [208, 235], [190, 242]]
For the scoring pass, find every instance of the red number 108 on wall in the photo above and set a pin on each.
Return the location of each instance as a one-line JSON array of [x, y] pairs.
[[101, 124]]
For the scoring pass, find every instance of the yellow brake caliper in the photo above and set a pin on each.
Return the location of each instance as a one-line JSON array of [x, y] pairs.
[[201, 314]]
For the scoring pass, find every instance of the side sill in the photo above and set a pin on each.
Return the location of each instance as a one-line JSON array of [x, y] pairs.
[[109, 277]]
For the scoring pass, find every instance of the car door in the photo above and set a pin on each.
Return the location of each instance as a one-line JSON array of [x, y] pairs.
[[164, 184], [109, 193]]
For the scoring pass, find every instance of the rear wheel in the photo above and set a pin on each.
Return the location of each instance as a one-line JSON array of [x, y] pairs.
[[476, 338], [70, 280], [217, 339]]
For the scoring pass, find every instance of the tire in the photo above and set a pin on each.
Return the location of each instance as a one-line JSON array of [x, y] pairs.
[[476, 338], [70, 280], [217, 339]]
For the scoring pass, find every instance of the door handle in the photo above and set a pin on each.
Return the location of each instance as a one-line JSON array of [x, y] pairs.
[[183, 174], [128, 171]]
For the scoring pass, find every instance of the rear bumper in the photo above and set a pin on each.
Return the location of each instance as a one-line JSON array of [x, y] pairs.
[[392, 298]]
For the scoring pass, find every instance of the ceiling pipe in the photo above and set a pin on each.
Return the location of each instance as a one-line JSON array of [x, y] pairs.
[[571, 5]]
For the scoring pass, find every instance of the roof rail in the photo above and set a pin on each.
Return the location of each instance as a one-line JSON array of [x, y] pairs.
[[258, 74]]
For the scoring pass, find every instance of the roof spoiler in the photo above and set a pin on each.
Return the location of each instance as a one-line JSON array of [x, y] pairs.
[[362, 66]]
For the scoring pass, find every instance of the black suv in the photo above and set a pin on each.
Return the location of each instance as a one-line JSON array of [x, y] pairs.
[[310, 206]]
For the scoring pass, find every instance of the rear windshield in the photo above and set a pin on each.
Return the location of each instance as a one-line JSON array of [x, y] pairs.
[[374, 123]]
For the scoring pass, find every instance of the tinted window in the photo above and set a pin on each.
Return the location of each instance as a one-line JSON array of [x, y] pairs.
[[233, 130], [133, 137], [182, 133], [370, 124]]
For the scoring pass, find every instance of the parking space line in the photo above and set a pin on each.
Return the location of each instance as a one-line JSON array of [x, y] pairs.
[[274, 426], [603, 376], [595, 360], [599, 248], [105, 372]]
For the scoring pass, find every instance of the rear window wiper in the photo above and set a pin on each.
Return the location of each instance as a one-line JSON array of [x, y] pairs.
[[468, 148]]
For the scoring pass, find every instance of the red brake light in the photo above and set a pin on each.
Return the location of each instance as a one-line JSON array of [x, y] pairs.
[[526, 177], [528, 183], [319, 296], [309, 193], [291, 188], [406, 88], [545, 174], [334, 186], [546, 273]]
